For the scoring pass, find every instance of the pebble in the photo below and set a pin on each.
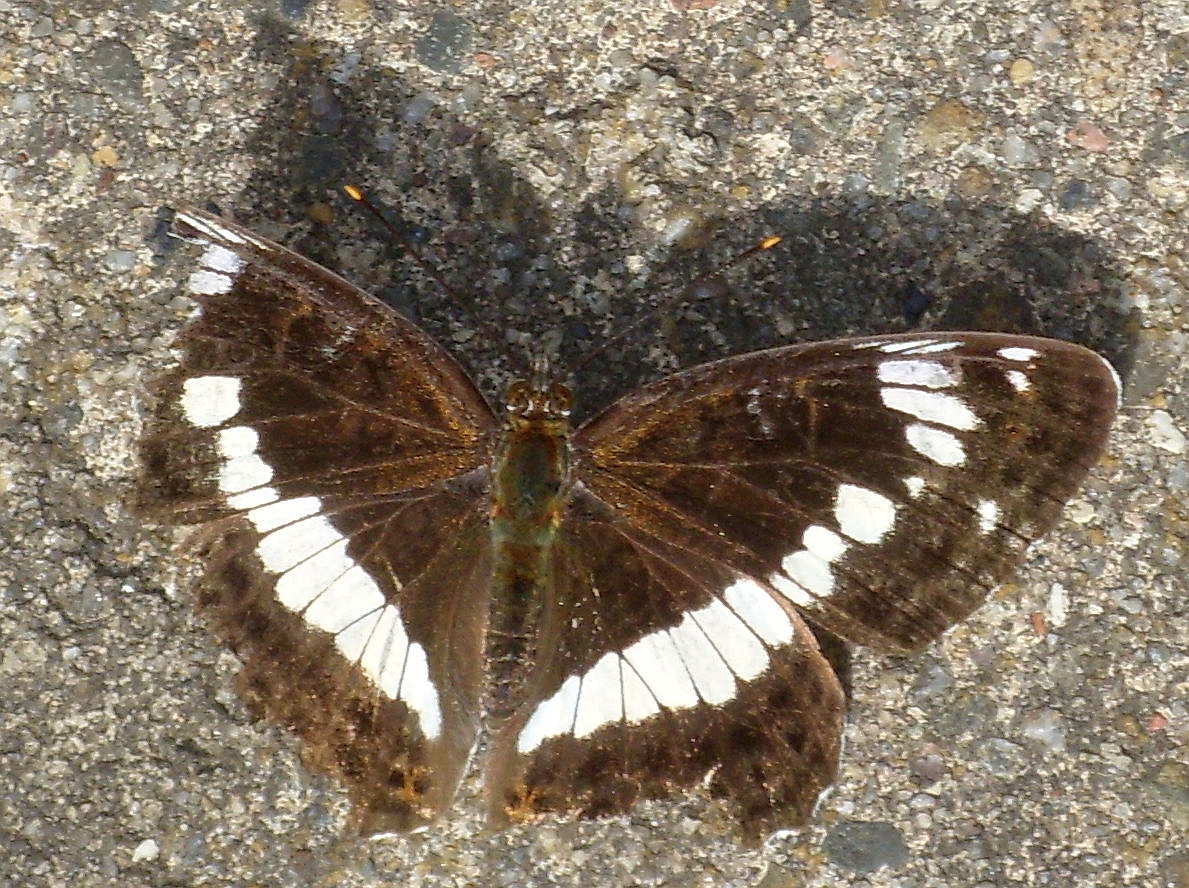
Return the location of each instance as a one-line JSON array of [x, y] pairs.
[[1163, 432], [865, 847]]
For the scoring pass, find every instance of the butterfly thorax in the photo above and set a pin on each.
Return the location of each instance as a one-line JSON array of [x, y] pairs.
[[531, 481]]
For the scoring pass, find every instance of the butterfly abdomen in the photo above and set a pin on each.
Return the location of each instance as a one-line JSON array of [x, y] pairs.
[[527, 500]]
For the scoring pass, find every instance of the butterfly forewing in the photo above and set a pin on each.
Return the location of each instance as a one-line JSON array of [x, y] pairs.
[[348, 565], [883, 486]]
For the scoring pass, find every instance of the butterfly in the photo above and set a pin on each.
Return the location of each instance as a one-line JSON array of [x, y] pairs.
[[417, 583]]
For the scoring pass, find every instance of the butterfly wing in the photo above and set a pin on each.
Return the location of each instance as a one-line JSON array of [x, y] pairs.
[[660, 667], [883, 486], [337, 456], [880, 488]]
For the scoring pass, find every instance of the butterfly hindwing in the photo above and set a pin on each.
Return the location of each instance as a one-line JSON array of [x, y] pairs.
[[663, 667], [347, 565]]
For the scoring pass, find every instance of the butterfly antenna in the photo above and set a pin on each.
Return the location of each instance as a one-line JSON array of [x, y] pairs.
[[764, 245], [493, 333]]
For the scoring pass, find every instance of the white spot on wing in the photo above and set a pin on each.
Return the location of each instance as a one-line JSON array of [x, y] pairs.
[[938, 407], [219, 266], [919, 347], [552, 718], [384, 657], [1018, 353], [353, 638], [935, 444], [658, 662], [281, 549], [277, 514], [304, 582], [712, 679], [863, 515], [237, 441], [349, 600], [823, 542], [1019, 380], [895, 348], [988, 515], [208, 283], [257, 496], [755, 607], [242, 468], [214, 230], [219, 258], [638, 702], [914, 485], [210, 400], [925, 374], [600, 701], [244, 473], [805, 568], [744, 654], [808, 574], [933, 348], [419, 694], [210, 229]]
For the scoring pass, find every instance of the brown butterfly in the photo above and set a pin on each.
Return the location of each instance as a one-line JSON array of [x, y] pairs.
[[622, 610]]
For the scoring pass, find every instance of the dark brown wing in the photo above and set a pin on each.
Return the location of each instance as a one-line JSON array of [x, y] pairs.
[[663, 667], [880, 487], [341, 456]]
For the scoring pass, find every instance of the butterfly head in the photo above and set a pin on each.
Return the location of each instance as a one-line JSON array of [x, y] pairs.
[[534, 402]]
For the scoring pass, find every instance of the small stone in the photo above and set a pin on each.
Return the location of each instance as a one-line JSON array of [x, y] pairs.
[[928, 765], [1029, 199], [1163, 433], [975, 182], [948, 123], [865, 847], [146, 850], [355, 10], [1058, 609], [1047, 728], [1002, 757], [115, 70], [444, 46], [1018, 152], [22, 656], [1089, 136], [120, 260], [1080, 512], [932, 680], [105, 156], [42, 28], [837, 60], [1048, 38], [1021, 71]]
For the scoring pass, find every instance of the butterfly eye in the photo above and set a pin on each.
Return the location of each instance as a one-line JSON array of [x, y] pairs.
[[561, 400], [519, 397]]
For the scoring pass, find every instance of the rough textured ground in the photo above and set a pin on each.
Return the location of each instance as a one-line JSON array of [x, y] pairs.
[[1017, 165]]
